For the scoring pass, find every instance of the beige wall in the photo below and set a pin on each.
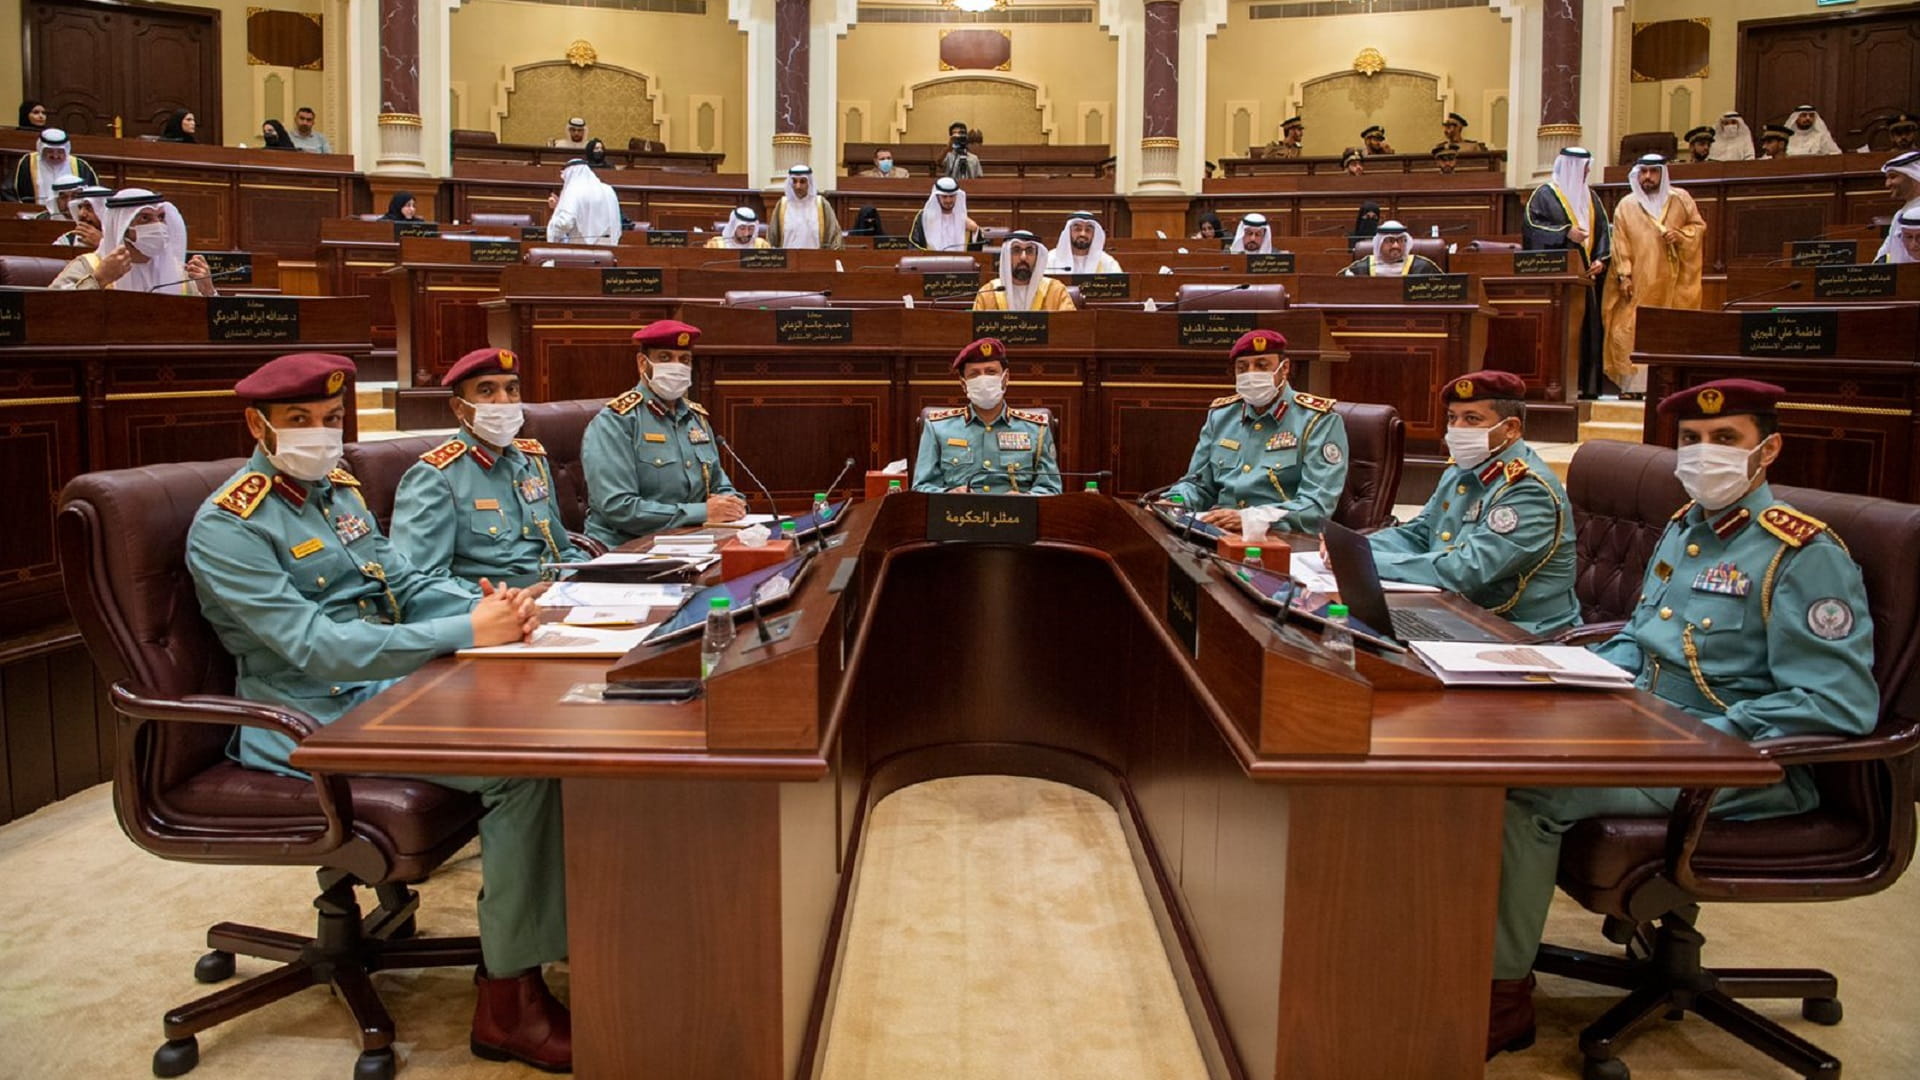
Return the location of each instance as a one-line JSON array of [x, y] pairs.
[[1075, 67], [692, 62], [1650, 106], [1256, 67]]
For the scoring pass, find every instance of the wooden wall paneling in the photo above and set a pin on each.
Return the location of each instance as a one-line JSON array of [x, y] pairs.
[[70, 56], [1880, 71], [204, 197], [1760, 222], [1400, 369], [42, 432], [1857, 66], [795, 419], [281, 213], [1459, 219], [572, 350], [27, 700], [72, 697], [1148, 414], [355, 270], [171, 60]]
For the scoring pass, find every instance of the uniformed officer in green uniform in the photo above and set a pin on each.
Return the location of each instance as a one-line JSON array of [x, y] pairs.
[[481, 504], [985, 446], [1497, 529], [321, 613], [1265, 445], [1752, 617], [650, 456]]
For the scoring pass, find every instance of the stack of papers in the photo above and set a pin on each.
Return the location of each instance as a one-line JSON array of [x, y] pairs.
[[609, 594], [1310, 570], [559, 641], [1483, 663]]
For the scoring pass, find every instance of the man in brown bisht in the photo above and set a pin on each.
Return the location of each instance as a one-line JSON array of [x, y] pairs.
[[1658, 238]]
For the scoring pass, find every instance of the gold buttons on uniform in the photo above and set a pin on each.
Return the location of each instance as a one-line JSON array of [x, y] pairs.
[[1258, 427], [1706, 623], [1666, 613], [1246, 468], [320, 581], [1446, 536], [1693, 549], [1446, 505], [1459, 489], [492, 529]]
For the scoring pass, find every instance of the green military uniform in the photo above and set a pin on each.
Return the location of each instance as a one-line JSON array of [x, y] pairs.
[[1012, 455], [467, 512], [1291, 454], [651, 465], [1752, 618], [1500, 535], [320, 613]]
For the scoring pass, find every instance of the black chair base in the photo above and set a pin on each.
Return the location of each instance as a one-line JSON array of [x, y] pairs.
[[345, 950], [1671, 982]]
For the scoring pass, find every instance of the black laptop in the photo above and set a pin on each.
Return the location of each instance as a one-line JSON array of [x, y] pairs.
[[1350, 558]]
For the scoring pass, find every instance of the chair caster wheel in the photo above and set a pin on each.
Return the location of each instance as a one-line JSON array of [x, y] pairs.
[[1605, 1069], [375, 1065], [216, 966], [1825, 1011], [176, 1057]]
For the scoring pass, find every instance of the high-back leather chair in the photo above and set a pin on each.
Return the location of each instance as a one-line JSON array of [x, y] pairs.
[[379, 464], [561, 426], [518, 221], [1648, 876], [1262, 297], [122, 540], [568, 256], [1493, 247], [32, 270], [1419, 245], [774, 298], [1376, 446]]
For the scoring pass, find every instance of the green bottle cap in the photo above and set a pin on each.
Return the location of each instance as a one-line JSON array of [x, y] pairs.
[[719, 603], [1336, 611], [789, 526], [1252, 553], [1177, 500], [893, 485], [1093, 485], [819, 496]]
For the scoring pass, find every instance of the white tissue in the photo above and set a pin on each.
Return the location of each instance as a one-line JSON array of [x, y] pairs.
[[1149, 306], [896, 466], [754, 536], [1255, 520], [1166, 269], [906, 301], [1161, 233], [1182, 250]]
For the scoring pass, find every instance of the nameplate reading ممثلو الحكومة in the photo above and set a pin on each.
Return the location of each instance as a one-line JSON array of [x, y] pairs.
[[253, 318], [1789, 333], [983, 519], [1183, 603], [813, 326], [1856, 281], [1213, 329], [632, 281]]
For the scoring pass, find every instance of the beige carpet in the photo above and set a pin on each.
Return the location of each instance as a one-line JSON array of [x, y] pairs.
[[999, 930], [85, 972]]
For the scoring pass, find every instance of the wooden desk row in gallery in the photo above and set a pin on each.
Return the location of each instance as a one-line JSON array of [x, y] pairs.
[[1319, 843], [998, 161], [240, 271], [1378, 165], [106, 380], [619, 160]]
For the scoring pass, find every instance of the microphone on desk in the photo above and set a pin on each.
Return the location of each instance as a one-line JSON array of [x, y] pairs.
[[748, 469], [1792, 286], [1208, 295], [760, 627], [735, 261], [824, 294], [1147, 497], [820, 527], [1205, 269], [232, 271]]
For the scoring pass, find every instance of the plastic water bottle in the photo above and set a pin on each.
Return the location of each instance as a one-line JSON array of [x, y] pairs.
[[719, 634], [790, 530], [1336, 638], [1250, 557], [893, 487], [1093, 486], [820, 511]]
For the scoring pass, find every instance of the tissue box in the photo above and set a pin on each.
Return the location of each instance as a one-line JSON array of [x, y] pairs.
[[1275, 555], [737, 558], [877, 482]]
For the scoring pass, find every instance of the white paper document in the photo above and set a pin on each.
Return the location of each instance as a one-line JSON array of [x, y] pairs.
[[1490, 663], [611, 594], [1311, 571], [559, 641]]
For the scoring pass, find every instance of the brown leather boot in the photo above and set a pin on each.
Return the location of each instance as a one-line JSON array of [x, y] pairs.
[[517, 1018], [1510, 1020]]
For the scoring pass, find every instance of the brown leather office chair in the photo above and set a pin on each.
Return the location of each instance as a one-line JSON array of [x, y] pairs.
[[1648, 876], [473, 137], [1376, 447], [1495, 247], [938, 264], [561, 426], [1264, 297], [122, 539], [569, 256], [516, 221], [380, 463], [1637, 144], [32, 270], [774, 298]]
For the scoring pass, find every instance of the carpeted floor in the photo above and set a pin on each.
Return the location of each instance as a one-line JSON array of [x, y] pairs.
[[85, 972]]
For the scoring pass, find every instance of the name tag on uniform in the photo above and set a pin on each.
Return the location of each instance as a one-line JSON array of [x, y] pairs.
[[1283, 440], [1015, 440], [307, 547], [486, 504], [532, 489], [350, 527], [654, 436], [1231, 444], [1725, 579], [696, 435], [958, 442]]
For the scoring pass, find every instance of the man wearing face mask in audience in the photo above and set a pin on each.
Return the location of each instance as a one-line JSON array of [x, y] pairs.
[[1752, 617], [1265, 446], [651, 456], [143, 248], [481, 504], [1498, 529], [984, 446]]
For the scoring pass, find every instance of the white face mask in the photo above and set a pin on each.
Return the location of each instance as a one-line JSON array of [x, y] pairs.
[[306, 453], [671, 381], [985, 391], [497, 423], [1258, 388], [1716, 476], [1470, 445], [150, 239]]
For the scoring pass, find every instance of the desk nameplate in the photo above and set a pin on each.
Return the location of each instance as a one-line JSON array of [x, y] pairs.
[[405, 229], [763, 258], [1271, 262], [1557, 261], [813, 326], [1789, 333], [632, 281], [1183, 603], [983, 519], [1855, 281], [673, 238], [1011, 327], [1435, 288], [228, 267], [1213, 329], [1101, 286], [253, 318], [13, 318], [944, 285], [494, 252]]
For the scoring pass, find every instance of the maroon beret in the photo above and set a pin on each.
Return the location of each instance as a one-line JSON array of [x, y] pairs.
[[1258, 341], [309, 376], [1483, 385], [488, 361], [1722, 397], [666, 334], [982, 351]]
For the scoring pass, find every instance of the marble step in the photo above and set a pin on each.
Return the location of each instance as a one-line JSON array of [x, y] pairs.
[[1618, 431]]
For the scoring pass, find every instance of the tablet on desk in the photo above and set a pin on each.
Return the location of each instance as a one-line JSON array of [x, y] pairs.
[[1281, 594], [1187, 523], [743, 593], [803, 524]]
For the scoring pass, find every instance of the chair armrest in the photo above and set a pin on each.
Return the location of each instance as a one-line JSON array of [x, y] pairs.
[[336, 806], [1588, 633], [587, 543]]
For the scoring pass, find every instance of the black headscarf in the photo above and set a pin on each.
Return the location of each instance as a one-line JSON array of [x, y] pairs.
[[172, 131], [1220, 232], [26, 121], [1366, 223], [867, 222], [396, 206], [278, 139], [596, 153]]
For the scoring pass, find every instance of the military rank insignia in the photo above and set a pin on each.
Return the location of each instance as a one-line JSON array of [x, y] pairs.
[[1015, 440], [350, 527], [1724, 579], [1830, 618], [1473, 512], [532, 489], [1331, 452], [697, 434], [1283, 440], [307, 547], [1503, 519], [1230, 444]]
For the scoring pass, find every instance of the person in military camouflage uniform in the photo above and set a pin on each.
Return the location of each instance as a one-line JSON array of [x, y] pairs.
[[481, 504], [651, 457], [1265, 445], [321, 613], [1752, 617], [1497, 529], [985, 446]]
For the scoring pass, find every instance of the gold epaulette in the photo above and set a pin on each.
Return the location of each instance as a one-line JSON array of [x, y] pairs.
[[1515, 469], [342, 476], [1220, 401], [945, 414], [1311, 401], [1790, 525], [625, 402], [1682, 512], [529, 446], [445, 454], [697, 407], [1029, 417], [245, 496]]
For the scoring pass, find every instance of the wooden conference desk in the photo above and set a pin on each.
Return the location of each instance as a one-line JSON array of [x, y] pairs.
[[1320, 844]]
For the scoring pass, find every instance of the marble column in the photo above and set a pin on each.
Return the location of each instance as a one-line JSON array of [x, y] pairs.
[[1160, 97], [399, 152], [1560, 54], [792, 55]]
